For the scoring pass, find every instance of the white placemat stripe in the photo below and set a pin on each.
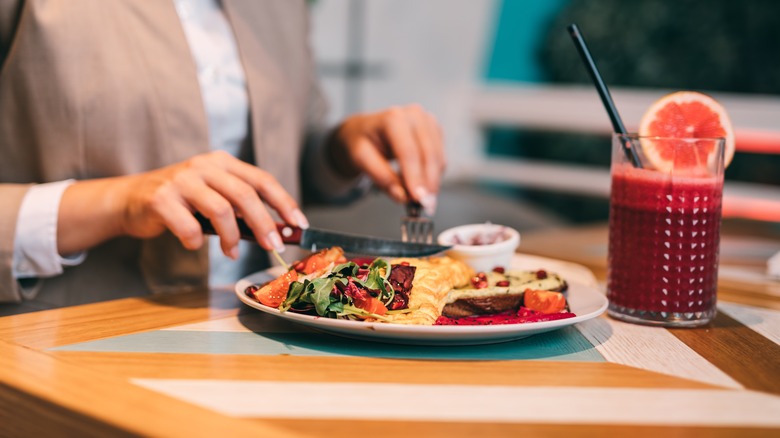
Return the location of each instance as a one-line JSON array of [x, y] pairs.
[[766, 322], [462, 403], [227, 324], [652, 349]]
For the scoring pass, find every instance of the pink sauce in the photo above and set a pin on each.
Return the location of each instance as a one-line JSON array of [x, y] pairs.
[[663, 246], [523, 315], [487, 237]]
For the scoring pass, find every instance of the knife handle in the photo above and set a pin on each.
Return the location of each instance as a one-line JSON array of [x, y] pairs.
[[290, 235]]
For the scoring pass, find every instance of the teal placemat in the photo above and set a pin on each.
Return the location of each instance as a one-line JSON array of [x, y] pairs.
[[566, 344]]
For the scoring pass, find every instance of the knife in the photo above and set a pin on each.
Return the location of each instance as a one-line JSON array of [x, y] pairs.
[[313, 239]]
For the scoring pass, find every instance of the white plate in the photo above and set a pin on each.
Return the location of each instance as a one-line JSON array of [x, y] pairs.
[[584, 301]]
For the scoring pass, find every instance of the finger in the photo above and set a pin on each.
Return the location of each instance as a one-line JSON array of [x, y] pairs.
[[429, 147], [368, 157], [213, 206], [411, 156], [429, 136], [257, 218], [397, 133], [271, 191], [174, 214], [425, 130], [247, 202]]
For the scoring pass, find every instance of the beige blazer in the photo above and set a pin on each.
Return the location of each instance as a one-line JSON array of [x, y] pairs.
[[98, 88]]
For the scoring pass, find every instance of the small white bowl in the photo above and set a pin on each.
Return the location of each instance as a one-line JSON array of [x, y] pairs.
[[465, 241]]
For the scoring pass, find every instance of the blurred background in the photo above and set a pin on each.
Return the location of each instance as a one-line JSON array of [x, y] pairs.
[[527, 138]]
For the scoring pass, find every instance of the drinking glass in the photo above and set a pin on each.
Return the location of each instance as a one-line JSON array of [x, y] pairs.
[[664, 230]]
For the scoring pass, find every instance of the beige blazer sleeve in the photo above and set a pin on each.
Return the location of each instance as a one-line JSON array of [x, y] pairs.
[[92, 89]]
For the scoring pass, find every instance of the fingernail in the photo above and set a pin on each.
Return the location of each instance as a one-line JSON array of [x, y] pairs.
[[427, 199], [397, 193], [233, 253], [300, 219], [276, 241]]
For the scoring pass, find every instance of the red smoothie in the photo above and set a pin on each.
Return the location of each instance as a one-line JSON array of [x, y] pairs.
[[663, 245]]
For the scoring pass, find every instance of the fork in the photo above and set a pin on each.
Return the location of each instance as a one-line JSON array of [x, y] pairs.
[[415, 226]]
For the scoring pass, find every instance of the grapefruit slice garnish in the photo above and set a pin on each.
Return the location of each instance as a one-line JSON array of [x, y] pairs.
[[685, 114]]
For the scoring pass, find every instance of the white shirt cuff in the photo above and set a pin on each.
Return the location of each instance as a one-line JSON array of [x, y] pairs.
[[35, 241]]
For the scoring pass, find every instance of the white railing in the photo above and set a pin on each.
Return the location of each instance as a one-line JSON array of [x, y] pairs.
[[578, 109]]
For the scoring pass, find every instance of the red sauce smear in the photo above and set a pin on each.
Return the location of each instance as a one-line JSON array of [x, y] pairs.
[[523, 315]]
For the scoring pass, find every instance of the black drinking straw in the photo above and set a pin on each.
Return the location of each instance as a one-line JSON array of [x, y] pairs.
[[601, 87]]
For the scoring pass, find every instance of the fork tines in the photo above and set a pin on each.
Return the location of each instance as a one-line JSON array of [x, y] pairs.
[[415, 226]]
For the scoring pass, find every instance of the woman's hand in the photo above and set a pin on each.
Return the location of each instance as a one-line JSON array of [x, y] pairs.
[[408, 134], [215, 184]]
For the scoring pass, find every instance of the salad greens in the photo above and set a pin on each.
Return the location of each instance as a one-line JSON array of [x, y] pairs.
[[344, 292]]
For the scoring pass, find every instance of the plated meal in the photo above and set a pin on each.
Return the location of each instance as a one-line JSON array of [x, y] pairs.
[[434, 291]]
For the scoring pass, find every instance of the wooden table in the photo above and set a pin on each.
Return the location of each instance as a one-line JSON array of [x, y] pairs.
[[205, 365]]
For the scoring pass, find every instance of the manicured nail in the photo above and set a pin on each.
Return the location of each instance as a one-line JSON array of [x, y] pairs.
[[397, 193], [276, 241], [300, 219], [427, 199]]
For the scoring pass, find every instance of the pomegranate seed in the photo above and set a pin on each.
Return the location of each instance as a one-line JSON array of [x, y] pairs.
[[482, 284], [499, 269], [482, 276], [503, 283], [541, 274]]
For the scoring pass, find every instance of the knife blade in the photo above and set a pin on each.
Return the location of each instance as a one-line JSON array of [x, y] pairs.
[[313, 239]]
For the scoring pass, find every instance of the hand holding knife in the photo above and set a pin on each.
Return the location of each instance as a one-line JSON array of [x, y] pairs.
[[313, 239]]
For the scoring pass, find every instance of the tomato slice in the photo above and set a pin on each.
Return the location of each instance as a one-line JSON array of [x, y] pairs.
[[321, 260], [544, 301], [372, 305], [274, 292]]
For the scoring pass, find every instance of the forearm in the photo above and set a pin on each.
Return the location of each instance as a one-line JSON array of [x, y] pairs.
[[325, 182]]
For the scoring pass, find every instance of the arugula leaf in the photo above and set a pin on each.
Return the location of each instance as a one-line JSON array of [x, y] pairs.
[[336, 307], [379, 282], [320, 294], [348, 269], [380, 264], [295, 292]]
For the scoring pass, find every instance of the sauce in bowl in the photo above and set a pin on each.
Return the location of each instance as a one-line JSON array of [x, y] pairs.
[[481, 246]]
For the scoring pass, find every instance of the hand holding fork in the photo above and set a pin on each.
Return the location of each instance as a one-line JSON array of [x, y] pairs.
[[411, 136]]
